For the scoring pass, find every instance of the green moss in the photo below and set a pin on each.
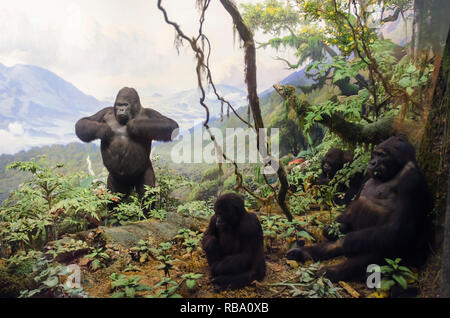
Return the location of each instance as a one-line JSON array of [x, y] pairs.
[[205, 190], [210, 174], [229, 182], [11, 285]]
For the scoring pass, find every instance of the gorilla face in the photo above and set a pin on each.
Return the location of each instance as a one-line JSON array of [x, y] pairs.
[[127, 105], [229, 209], [381, 165], [389, 157], [123, 112]]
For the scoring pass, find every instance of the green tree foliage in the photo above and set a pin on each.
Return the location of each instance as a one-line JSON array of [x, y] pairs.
[[49, 204]]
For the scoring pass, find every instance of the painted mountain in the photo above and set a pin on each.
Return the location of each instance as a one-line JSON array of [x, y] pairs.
[[37, 107]]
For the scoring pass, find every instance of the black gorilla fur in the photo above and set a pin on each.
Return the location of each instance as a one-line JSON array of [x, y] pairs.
[[332, 162], [234, 244], [126, 132], [389, 219]]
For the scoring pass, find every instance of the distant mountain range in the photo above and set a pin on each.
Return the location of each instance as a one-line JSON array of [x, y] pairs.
[[185, 108], [37, 107]]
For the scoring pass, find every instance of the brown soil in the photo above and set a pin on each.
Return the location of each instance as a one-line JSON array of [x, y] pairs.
[[98, 283]]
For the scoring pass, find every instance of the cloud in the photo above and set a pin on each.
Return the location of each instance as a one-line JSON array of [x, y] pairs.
[[101, 46], [16, 129], [16, 138]]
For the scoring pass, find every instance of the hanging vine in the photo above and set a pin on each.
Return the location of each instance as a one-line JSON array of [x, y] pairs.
[[200, 44]]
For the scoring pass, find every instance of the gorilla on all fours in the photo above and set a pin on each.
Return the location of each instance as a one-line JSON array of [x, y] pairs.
[[126, 132], [388, 219]]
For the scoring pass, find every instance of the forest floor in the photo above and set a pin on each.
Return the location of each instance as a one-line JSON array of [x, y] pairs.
[[279, 269]]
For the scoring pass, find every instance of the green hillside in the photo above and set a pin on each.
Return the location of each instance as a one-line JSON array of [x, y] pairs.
[[73, 156]]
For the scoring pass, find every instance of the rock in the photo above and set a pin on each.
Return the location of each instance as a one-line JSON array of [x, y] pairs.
[[84, 261], [292, 264], [151, 230]]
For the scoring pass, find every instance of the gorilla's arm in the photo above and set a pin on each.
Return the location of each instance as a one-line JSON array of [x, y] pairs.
[[90, 128], [413, 198], [211, 244], [152, 125]]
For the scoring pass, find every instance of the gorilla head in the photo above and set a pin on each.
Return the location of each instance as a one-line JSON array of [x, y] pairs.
[[229, 209], [334, 160], [127, 105], [389, 157]]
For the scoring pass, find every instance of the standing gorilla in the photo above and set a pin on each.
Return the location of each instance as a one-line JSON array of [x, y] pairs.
[[126, 132], [234, 244], [389, 219]]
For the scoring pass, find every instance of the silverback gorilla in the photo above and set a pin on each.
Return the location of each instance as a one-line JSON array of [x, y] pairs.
[[126, 132], [388, 219], [234, 244]]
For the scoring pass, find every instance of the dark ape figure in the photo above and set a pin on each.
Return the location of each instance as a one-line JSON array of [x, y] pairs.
[[234, 244], [126, 132], [334, 161], [389, 219]]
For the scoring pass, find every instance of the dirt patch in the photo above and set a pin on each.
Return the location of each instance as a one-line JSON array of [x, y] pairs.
[[98, 283]]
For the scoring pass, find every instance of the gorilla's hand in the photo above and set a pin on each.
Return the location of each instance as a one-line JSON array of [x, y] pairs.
[[329, 272], [104, 132], [299, 254], [220, 283], [131, 127]]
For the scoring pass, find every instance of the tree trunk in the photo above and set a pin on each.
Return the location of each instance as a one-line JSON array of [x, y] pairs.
[[250, 78]]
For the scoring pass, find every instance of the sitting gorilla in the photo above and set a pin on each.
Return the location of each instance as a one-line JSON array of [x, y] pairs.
[[126, 132], [334, 161], [234, 244], [388, 220]]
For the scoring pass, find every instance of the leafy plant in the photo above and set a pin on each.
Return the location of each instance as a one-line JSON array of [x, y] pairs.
[[49, 282], [49, 204], [70, 248], [170, 287], [128, 211], [164, 257], [334, 230], [196, 209], [142, 251], [393, 273], [191, 279], [308, 284], [99, 258], [23, 261], [189, 239], [277, 228], [126, 287], [159, 214]]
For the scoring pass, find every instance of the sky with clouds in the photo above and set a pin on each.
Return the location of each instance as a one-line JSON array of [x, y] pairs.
[[103, 45]]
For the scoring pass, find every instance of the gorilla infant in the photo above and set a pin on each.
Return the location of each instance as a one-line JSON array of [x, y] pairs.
[[234, 244], [387, 220], [126, 132]]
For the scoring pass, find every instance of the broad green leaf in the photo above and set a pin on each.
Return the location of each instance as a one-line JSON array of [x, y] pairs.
[[401, 280], [190, 283], [52, 281], [386, 284], [130, 292], [305, 235], [118, 294]]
